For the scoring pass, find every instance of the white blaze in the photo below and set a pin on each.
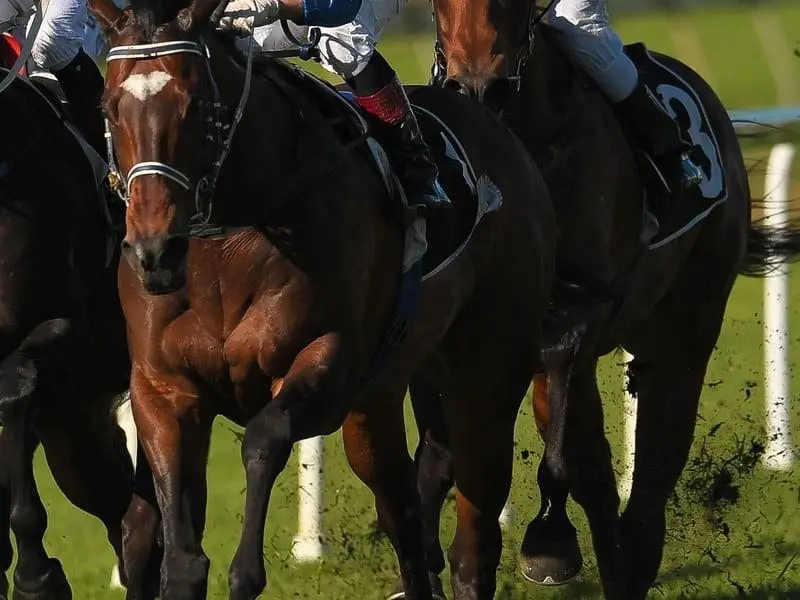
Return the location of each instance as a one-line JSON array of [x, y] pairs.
[[144, 85]]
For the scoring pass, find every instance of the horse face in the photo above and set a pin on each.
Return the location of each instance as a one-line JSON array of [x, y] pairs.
[[481, 41], [158, 107]]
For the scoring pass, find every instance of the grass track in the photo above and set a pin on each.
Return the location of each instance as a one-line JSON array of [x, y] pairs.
[[757, 558]]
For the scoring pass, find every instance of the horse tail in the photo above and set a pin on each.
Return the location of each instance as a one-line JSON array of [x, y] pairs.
[[768, 247]]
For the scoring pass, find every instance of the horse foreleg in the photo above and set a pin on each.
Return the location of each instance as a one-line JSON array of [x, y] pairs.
[[36, 576], [309, 402], [89, 461], [550, 553], [375, 443], [175, 436], [142, 555], [42, 365]]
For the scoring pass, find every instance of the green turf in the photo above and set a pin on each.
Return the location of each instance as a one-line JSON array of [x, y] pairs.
[[700, 562], [753, 557]]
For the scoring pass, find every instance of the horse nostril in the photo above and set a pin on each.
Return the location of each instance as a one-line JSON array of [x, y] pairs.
[[174, 250], [496, 93], [456, 85]]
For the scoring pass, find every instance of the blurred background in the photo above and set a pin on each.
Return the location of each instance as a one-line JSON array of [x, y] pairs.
[[734, 523]]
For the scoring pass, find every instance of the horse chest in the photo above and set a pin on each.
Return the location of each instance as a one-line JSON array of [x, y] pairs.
[[261, 349]]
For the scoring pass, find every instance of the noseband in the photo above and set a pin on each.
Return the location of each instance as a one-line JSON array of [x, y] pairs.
[[219, 134]]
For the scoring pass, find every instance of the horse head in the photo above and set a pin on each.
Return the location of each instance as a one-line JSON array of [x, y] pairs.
[[484, 45], [160, 101]]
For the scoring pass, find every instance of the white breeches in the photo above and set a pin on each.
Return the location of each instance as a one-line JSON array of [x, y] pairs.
[[594, 46], [61, 34], [344, 50]]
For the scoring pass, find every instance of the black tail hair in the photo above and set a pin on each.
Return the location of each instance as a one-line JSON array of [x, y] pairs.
[[769, 246]]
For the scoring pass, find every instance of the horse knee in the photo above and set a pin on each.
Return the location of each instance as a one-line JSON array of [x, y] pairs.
[[28, 518], [434, 465], [18, 382]]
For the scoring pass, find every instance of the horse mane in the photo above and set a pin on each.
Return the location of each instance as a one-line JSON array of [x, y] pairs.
[[152, 15]]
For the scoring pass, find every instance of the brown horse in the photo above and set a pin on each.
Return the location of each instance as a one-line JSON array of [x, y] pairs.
[[287, 308], [663, 299], [63, 351]]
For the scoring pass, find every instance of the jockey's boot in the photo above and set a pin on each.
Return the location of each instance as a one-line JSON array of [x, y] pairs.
[[400, 135], [661, 137], [82, 84]]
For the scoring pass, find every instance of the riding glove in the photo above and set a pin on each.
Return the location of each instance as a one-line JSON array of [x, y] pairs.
[[243, 16]]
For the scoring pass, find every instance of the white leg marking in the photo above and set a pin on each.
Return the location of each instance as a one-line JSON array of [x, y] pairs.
[[125, 420]]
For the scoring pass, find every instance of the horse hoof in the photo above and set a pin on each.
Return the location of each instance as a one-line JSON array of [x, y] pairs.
[[398, 593], [53, 585], [550, 560]]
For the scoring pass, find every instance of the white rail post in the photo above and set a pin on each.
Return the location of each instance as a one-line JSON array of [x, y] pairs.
[[308, 546], [629, 410], [779, 454]]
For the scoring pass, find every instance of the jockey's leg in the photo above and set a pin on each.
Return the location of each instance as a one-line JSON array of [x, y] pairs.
[[380, 93], [58, 49], [350, 52], [595, 47]]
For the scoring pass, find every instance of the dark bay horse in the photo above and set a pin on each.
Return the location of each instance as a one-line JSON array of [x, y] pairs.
[[63, 350], [662, 299], [263, 280]]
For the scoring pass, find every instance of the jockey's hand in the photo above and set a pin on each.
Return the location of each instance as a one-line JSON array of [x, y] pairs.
[[242, 16]]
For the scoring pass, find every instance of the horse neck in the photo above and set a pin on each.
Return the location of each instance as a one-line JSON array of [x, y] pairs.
[[261, 144], [549, 83]]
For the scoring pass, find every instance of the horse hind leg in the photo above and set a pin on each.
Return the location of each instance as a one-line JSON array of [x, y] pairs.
[[375, 443], [667, 376], [550, 553], [480, 420], [434, 468], [591, 477]]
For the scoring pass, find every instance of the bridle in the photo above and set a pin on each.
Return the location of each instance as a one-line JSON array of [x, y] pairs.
[[218, 138], [219, 134], [439, 69]]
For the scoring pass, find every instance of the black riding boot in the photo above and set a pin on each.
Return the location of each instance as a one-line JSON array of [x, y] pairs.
[[82, 84], [381, 95], [660, 136]]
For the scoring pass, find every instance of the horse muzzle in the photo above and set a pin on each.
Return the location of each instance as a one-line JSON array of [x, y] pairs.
[[160, 262]]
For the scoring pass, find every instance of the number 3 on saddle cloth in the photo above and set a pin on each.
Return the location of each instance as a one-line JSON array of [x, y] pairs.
[[683, 210]]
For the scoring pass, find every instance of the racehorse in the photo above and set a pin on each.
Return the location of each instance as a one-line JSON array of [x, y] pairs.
[[271, 274], [63, 352], [661, 297]]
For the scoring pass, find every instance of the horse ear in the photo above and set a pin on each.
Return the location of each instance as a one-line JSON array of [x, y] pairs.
[[108, 16], [201, 12]]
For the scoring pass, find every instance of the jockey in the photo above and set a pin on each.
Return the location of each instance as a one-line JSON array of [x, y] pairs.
[[592, 44], [58, 49], [350, 31]]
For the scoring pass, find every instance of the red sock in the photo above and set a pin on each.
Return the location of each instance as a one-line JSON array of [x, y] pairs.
[[387, 104]]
